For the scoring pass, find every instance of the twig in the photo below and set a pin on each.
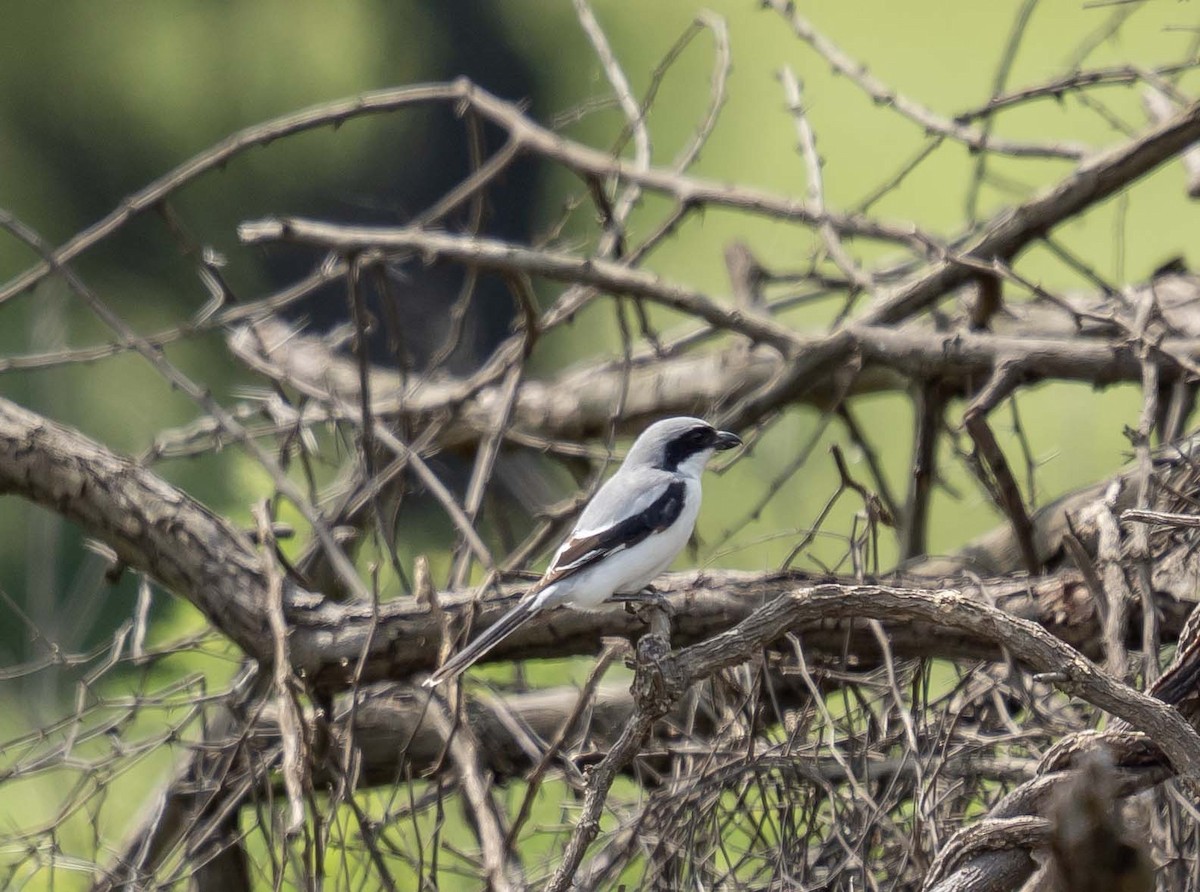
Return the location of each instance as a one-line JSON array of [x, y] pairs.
[[1116, 586], [816, 192], [914, 521], [656, 687], [1164, 518], [1020, 23], [534, 780], [914, 111], [491, 254], [635, 119], [485, 458], [1006, 488], [858, 437], [291, 727], [1147, 311], [1076, 81], [1096, 179], [503, 873]]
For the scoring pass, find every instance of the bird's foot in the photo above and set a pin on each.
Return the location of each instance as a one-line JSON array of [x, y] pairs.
[[648, 598]]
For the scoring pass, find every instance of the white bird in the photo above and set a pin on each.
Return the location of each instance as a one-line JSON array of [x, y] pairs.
[[630, 532]]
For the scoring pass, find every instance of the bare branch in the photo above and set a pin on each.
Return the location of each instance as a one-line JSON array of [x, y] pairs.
[[489, 254], [1097, 178], [927, 119], [151, 525]]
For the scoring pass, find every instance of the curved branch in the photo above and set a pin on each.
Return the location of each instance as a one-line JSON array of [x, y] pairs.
[[1026, 641], [525, 134], [491, 254], [578, 404], [158, 529], [150, 524]]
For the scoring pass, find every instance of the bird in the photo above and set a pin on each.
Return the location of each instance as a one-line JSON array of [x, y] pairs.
[[631, 531]]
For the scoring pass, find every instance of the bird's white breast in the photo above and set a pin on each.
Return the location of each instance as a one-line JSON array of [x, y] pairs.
[[630, 569]]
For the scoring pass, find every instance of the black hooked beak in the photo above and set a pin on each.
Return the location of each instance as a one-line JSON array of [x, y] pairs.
[[726, 440]]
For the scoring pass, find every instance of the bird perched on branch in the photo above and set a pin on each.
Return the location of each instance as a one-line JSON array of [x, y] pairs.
[[630, 532]]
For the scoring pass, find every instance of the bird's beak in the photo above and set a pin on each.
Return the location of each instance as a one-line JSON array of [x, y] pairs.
[[726, 440]]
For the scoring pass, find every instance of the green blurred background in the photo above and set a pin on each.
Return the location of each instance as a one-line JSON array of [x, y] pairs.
[[100, 97]]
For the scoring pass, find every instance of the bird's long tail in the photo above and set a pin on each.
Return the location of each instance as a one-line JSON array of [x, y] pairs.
[[492, 635]]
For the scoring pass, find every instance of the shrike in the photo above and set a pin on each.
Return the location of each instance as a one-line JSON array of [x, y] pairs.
[[630, 532]]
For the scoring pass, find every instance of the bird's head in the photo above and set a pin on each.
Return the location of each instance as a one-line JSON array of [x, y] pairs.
[[680, 445]]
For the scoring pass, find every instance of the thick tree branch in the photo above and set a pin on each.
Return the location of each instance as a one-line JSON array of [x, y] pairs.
[[150, 524], [158, 529], [1044, 341]]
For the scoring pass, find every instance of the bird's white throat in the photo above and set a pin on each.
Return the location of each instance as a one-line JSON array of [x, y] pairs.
[[693, 465]]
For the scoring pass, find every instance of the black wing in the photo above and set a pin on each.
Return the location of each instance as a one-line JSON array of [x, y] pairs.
[[579, 553]]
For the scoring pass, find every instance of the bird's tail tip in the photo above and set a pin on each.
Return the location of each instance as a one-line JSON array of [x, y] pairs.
[[491, 636]]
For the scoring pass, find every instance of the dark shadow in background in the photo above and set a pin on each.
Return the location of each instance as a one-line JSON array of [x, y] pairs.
[[405, 169]]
